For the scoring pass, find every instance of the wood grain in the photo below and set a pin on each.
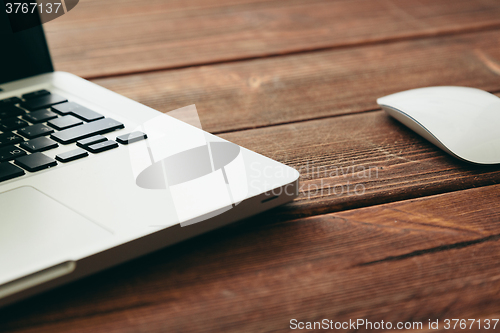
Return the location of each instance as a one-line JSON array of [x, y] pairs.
[[359, 160], [104, 38], [294, 88], [378, 263]]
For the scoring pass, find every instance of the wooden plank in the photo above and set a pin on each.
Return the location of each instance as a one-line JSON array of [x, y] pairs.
[[114, 37], [360, 160], [429, 258], [294, 88]]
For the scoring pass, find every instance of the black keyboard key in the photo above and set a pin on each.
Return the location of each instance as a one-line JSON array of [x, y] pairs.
[[39, 145], [10, 153], [130, 138], [36, 94], [9, 171], [74, 134], [65, 122], [35, 131], [10, 112], [78, 111], [35, 162], [9, 139], [90, 141], [103, 146], [65, 108], [40, 116], [11, 124], [72, 155], [42, 102], [9, 101]]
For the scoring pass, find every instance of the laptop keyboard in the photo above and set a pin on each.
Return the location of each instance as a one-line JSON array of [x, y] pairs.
[[40, 121]]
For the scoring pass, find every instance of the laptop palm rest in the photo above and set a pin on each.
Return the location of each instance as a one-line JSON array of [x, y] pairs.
[[42, 233]]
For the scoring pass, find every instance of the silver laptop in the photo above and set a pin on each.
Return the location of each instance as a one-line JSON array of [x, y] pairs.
[[90, 179]]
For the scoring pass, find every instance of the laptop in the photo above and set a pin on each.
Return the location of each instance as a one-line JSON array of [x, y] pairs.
[[90, 179]]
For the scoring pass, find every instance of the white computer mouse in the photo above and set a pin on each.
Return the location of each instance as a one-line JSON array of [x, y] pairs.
[[464, 122]]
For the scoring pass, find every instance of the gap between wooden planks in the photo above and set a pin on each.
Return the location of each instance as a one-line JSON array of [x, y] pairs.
[[106, 38], [428, 258]]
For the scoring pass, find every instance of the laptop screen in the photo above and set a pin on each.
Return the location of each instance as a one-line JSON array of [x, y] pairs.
[[22, 54]]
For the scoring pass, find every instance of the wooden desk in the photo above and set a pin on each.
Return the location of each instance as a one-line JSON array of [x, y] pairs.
[[413, 239]]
